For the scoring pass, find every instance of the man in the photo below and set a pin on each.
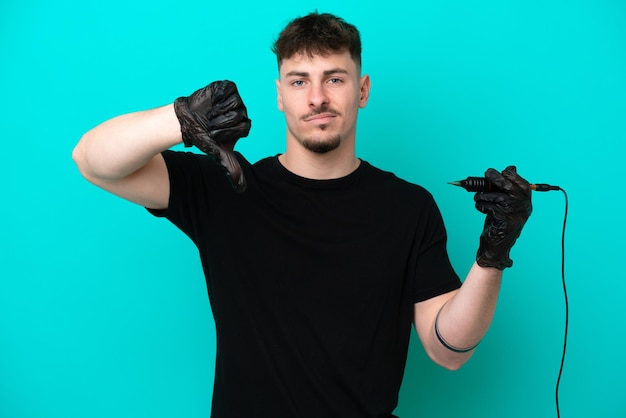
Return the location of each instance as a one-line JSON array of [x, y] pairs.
[[316, 262]]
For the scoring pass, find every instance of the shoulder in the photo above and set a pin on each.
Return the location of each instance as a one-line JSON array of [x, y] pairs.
[[389, 183], [190, 161], [187, 159], [266, 163]]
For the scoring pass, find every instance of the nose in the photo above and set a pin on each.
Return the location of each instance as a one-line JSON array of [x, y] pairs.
[[317, 95]]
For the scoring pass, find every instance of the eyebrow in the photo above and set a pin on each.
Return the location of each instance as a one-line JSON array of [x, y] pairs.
[[326, 73]]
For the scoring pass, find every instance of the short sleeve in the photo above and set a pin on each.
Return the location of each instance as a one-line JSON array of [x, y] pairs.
[[434, 274], [195, 181]]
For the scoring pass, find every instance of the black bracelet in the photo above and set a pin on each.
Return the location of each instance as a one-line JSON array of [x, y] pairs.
[[445, 343]]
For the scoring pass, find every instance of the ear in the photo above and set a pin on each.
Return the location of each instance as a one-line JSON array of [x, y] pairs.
[[280, 97], [365, 85]]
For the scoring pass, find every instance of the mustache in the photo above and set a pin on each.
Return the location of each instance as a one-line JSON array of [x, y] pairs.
[[319, 110]]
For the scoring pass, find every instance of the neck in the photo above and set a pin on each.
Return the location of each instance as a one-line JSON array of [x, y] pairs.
[[331, 165]]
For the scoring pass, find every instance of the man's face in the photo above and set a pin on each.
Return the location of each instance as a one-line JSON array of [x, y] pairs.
[[320, 97]]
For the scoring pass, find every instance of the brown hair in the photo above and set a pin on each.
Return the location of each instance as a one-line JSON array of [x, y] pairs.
[[318, 34]]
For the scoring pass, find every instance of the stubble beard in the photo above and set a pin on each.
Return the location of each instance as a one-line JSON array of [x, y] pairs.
[[325, 142], [321, 145]]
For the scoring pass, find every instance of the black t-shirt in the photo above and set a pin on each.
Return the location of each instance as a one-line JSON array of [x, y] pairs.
[[311, 283]]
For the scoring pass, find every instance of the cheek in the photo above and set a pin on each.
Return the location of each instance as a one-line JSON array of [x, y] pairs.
[[289, 112], [288, 107], [352, 108], [286, 103]]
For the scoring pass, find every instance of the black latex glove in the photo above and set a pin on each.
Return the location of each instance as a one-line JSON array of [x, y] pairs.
[[213, 119], [507, 210]]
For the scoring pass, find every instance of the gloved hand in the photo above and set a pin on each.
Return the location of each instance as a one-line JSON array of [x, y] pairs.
[[213, 119], [507, 210]]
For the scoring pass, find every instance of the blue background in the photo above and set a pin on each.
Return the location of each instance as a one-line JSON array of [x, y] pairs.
[[103, 308]]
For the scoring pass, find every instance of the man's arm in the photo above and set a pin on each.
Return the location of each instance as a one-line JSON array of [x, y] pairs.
[[451, 325], [463, 317], [123, 155]]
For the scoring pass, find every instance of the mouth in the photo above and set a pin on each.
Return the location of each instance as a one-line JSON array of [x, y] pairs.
[[321, 115], [325, 117]]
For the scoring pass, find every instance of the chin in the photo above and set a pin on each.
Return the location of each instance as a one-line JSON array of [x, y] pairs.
[[322, 146]]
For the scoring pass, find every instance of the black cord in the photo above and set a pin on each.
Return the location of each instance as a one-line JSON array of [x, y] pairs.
[[476, 184], [558, 381]]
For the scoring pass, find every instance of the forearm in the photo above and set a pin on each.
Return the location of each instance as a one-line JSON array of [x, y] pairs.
[[120, 146], [452, 324], [465, 318]]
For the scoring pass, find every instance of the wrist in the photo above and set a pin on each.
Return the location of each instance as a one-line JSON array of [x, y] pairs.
[[495, 256], [486, 275], [185, 119], [494, 264], [166, 127]]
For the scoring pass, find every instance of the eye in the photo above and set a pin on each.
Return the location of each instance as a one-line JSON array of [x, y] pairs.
[[297, 83], [335, 80]]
